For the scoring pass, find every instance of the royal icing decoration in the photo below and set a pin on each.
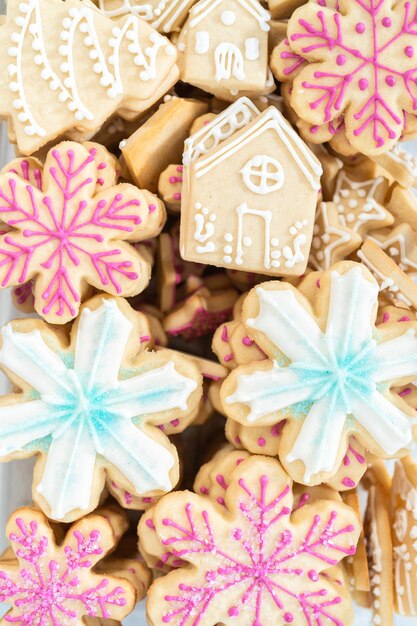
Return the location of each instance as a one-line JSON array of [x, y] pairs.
[[393, 282], [355, 201], [164, 15], [55, 585], [252, 561], [404, 514], [324, 381], [399, 244], [67, 234], [85, 407], [361, 64], [332, 241], [127, 60]]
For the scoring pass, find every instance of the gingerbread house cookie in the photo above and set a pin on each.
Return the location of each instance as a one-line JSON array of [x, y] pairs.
[[262, 219], [226, 46]]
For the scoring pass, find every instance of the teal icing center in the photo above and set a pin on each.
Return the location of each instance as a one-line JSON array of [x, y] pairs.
[[340, 375]]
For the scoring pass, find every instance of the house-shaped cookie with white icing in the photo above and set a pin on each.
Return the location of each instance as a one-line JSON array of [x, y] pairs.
[[249, 193], [226, 46]]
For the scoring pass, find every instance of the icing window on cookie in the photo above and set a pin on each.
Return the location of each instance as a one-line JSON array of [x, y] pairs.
[[252, 49], [229, 62], [263, 174], [202, 42]]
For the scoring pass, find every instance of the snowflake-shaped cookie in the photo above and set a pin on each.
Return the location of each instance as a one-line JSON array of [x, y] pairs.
[[92, 408], [54, 585], [68, 234], [329, 372], [252, 561], [362, 64]]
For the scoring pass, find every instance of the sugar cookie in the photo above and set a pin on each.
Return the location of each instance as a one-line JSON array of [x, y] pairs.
[[74, 231], [296, 335], [78, 401], [220, 545]]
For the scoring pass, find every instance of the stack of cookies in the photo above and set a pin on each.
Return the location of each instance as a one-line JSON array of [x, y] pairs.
[[210, 233]]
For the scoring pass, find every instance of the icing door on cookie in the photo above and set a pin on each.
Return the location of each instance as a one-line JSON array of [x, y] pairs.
[[229, 62], [253, 226]]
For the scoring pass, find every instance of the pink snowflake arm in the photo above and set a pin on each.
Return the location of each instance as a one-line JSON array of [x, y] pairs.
[[255, 555], [285, 63]]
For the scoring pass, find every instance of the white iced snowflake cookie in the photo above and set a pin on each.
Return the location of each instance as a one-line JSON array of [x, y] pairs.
[[329, 373], [90, 406]]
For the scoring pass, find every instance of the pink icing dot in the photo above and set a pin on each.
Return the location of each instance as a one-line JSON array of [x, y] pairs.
[[405, 318], [175, 422], [363, 83], [233, 611], [405, 392], [204, 490], [390, 80], [313, 575], [151, 208], [237, 534], [179, 168], [288, 617], [220, 500], [247, 341], [261, 442], [172, 179], [385, 317], [340, 59], [386, 21], [360, 28], [237, 440], [348, 482], [313, 129], [177, 196], [409, 51], [150, 524]]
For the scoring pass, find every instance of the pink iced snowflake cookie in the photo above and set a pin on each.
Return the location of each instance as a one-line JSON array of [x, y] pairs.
[[90, 406], [70, 228], [330, 372], [361, 64], [54, 584], [252, 561]]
